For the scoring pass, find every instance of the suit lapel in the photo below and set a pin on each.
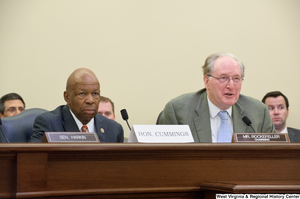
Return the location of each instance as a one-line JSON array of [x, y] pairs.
[[237, 115], [291, 134], [68, 121], [101, 128], [202, 121]]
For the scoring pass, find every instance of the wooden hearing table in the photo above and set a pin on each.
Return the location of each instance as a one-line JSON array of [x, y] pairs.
[[127, 170]]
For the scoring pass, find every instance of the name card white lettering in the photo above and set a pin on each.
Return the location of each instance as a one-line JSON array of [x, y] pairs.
[[161, 134], [70, 137], [260, 137]]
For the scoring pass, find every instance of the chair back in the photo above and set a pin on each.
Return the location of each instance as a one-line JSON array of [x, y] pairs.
[[18, 128]]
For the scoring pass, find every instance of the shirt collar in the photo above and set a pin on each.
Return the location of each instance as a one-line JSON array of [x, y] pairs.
[[284, 130], [90, 125], [214, 110]]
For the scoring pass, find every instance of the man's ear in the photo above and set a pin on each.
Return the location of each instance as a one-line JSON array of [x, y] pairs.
[[1, 116], [66, 97], [205, 80]]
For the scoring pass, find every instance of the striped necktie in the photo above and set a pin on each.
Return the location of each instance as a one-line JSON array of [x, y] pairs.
[[84, 128]]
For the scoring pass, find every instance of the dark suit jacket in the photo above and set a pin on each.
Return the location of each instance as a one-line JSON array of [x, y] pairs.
[[294, 134], [61, 120], [192, 109]]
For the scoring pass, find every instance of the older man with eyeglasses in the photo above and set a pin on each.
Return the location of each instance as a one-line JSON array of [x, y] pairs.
[[218, 108]]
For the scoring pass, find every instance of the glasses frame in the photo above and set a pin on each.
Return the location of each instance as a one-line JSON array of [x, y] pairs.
[[14, 109], [230, 78]]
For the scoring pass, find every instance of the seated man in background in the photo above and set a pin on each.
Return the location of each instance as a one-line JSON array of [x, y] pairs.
[[80, 113], [106, 108], [11, 104], [278, 105], [217, 111]]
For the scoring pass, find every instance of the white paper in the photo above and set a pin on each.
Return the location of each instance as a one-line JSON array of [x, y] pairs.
[[161, 134]]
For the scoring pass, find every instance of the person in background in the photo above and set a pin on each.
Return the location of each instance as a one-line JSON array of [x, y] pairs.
[[11, 104], [217, 111], [106, 108], [80, 114], [278, 105]]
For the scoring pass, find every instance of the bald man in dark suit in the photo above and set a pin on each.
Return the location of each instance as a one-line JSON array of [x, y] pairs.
[[82, 96]]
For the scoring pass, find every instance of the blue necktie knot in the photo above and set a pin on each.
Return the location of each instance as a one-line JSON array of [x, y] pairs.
[[223, 115]]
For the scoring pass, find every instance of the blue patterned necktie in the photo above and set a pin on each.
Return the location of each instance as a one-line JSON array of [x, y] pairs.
[[224, 134]]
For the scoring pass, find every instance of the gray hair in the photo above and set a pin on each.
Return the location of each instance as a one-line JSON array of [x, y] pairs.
[[208, 66]]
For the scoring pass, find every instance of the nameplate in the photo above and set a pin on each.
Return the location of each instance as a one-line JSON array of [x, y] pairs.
[[260, 137], [70, 137], [161, 134]]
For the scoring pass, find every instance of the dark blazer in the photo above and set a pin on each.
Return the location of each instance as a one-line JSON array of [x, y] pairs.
[[294, 134], [61, 120], [192, 109]]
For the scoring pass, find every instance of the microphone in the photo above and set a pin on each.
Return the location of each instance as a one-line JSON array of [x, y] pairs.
[[3, 131], [125, 117], [248, 122]]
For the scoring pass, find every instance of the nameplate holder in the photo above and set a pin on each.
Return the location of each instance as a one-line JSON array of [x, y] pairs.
[[70, 137], [260, 137], [161, 134]]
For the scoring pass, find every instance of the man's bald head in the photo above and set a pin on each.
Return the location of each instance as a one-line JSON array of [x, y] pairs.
[[83, 94], [79, 75]]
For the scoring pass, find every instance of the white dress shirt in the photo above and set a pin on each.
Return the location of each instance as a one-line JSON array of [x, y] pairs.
[[284, 130], [90, 125]]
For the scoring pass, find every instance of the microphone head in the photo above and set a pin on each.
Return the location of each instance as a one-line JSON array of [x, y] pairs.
[[124, 114], [247, 121]]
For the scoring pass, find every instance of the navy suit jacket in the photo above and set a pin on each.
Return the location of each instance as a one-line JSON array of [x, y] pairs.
[[61, 120], [294, 134]]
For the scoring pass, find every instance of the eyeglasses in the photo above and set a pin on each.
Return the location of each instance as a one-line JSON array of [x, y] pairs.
[[14, 109], [225, 79]]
